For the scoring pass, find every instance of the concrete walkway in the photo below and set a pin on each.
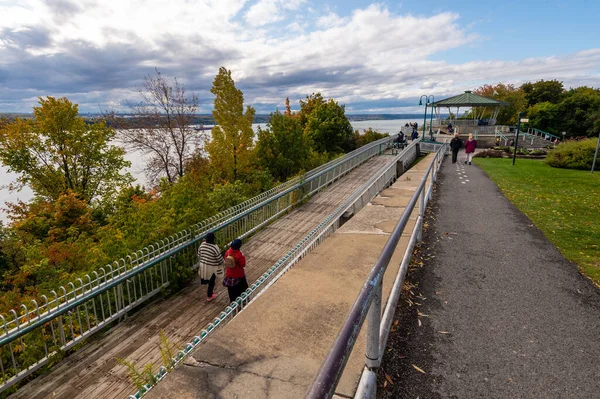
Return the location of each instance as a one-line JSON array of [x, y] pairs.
[[503, 314], [274, 347]]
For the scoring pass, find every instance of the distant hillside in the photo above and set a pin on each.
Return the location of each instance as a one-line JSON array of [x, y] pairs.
[[208, 119]]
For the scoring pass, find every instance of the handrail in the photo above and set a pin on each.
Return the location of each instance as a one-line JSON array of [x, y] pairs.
[[361, 195], [331, 370], [111, 292]]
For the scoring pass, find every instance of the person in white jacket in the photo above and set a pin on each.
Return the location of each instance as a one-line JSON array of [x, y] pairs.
[[210, 264]]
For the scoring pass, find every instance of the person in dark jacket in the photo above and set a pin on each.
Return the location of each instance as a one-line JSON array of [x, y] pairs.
[[235, 274], [455, 145]]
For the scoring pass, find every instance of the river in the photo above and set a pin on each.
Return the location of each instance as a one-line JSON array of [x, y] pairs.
[[137, 162]]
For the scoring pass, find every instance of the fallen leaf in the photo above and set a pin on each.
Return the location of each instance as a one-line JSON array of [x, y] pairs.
[[387, 377], [418, 369], [443, 332], [419, 322]]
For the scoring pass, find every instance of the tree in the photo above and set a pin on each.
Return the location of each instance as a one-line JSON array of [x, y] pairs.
[[515, 96], [578, 110], [162, 127], [282, 147], [231, 143], [58, 152], [543, 91], [544, 116], [325, 124]]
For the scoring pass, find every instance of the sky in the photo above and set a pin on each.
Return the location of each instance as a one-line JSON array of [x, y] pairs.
[[373, 57]]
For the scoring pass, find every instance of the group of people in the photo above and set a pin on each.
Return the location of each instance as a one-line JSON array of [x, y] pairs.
[[231, 264], [415, 132], [470, 145]]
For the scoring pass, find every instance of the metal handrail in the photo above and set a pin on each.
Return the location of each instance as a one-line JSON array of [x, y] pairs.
[[361, 196], [369, 300], [106, 294]]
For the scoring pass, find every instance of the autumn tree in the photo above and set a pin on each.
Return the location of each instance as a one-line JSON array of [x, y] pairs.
[[231, 143], [514, 96], [58, 152], [162, 127]]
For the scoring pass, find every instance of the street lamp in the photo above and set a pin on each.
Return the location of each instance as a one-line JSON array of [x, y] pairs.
[[431, 117], [425, 113]]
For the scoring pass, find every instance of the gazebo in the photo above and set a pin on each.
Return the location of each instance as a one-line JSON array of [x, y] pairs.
[[480, 106]]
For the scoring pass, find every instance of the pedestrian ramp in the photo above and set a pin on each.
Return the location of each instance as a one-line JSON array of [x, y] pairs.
[[275, 346]]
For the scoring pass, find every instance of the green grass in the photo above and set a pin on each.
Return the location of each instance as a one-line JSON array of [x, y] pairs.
[[563, 203]]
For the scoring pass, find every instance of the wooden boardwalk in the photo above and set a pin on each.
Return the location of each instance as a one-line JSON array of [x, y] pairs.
[[93, 372]]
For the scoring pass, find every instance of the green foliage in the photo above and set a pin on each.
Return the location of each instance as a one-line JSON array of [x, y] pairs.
[[231, 144], [544, 116], [168, 350], [282, 147], [325, 124], [58, 152], [367, 137], [573, 154], [562, 203], [550, 91], [224, 196], [579, 112], [139, 377]]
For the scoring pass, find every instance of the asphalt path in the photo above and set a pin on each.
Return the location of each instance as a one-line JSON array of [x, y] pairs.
[[497, 311]]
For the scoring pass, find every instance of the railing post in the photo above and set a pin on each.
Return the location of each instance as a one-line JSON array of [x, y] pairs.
[[374, 320], [421, 212]]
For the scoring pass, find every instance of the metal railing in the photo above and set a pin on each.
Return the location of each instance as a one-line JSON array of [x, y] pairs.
[[361, 196], [39, 332], [368, 303], [543, 135]]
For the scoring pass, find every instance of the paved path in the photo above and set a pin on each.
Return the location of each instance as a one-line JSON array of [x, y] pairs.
[[519, 321]]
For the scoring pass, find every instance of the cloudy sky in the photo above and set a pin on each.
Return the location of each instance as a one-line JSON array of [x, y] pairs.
[[373, 57]]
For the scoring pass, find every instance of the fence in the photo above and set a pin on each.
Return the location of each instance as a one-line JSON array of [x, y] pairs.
[[381, 179], [47, 327], [368, 303]]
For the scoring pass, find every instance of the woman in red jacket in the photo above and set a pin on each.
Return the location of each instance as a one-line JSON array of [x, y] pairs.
[[235, 274], [470, 146]]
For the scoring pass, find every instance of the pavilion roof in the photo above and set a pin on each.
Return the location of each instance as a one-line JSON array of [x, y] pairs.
[[468, 99]]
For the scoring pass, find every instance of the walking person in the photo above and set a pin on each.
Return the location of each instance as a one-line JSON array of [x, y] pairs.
[[470, 146], [235, 274], [455, 144], [210, 264]]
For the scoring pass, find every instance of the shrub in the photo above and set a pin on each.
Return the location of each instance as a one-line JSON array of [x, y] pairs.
[[490, 153], [573, 154]]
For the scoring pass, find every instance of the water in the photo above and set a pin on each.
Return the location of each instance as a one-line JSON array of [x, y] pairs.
[[138, 162]]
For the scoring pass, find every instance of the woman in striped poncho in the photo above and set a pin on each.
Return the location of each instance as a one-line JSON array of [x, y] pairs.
[[210, 260]]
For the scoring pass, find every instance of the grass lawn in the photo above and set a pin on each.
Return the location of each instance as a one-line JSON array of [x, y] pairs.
[[563, 203]]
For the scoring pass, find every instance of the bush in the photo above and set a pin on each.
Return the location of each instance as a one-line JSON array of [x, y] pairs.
[[490, 153], [573, 154]]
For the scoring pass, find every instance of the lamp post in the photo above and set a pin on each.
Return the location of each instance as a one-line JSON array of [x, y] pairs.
[[430, 118], [425, 113], [517, 138]]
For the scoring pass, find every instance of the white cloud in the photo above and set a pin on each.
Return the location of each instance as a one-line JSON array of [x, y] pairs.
[[104, 49], [330, 20], [266, 12]]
